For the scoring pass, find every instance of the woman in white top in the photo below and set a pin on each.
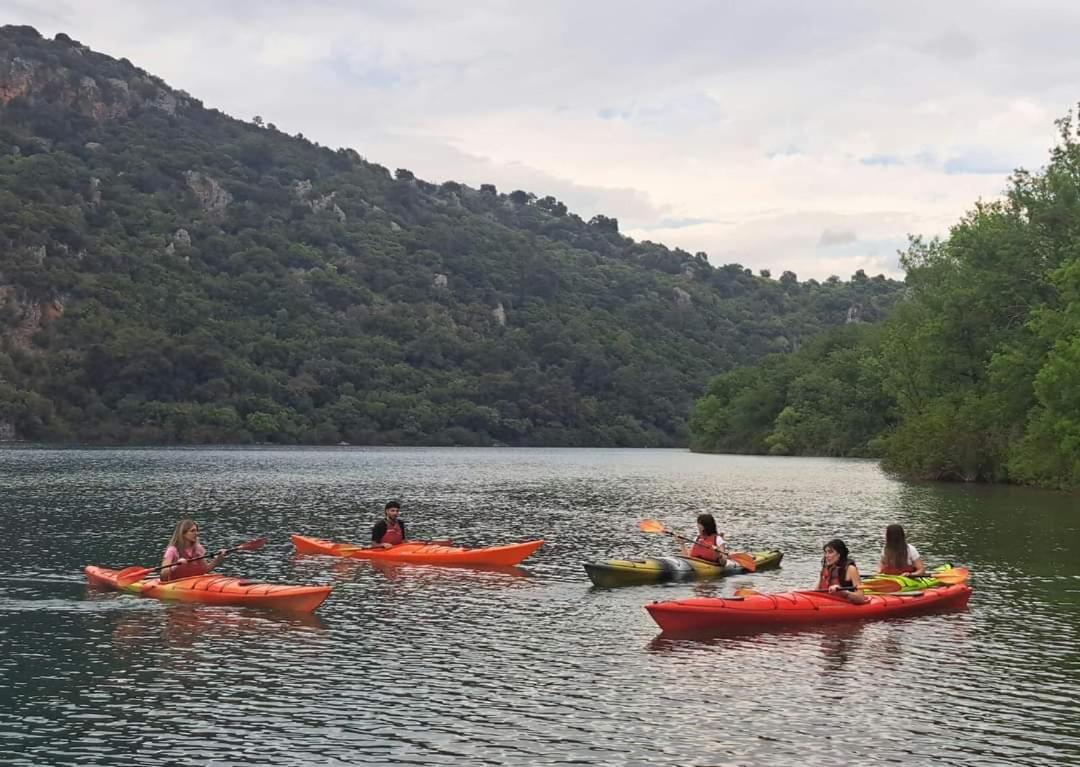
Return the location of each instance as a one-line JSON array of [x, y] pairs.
[[899, 557]]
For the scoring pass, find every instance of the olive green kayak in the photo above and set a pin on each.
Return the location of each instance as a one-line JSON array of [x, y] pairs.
[[627, 572]]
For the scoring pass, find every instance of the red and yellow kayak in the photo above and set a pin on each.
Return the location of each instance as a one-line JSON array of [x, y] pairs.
[[217, 590], [423, 553], [797, 608]]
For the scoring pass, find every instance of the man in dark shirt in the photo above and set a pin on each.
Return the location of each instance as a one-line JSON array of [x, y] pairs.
[[390, 530]]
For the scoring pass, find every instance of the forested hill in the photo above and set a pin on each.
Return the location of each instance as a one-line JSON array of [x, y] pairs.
[[975, 376], [171, 274]]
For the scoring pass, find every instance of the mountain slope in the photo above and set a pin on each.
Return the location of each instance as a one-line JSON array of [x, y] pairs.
[[171, 274]]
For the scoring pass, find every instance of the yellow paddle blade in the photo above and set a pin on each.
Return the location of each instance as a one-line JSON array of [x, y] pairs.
[[743, 560], [651, 526]]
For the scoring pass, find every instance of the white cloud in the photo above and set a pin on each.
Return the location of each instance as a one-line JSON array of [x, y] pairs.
[[744, 130]]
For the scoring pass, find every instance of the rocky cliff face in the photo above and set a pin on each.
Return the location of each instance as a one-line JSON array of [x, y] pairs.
[[69, 76]]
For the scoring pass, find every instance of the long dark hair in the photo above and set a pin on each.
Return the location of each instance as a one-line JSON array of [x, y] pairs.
[[840, 548], [708, 524], [896, 554]]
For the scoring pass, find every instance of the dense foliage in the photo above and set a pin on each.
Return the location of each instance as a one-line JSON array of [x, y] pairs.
[[170, 274], [976, 374]]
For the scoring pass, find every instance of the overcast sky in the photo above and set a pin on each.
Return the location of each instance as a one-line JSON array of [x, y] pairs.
[[804, 135]]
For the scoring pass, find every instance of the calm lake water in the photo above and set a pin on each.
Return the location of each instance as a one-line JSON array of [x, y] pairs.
[[431, 666]]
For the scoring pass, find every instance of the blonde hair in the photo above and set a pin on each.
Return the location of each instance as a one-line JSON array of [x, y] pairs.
[[178, 539]]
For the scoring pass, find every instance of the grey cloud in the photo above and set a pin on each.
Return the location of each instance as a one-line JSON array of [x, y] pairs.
[[952, 45], [832, 237]]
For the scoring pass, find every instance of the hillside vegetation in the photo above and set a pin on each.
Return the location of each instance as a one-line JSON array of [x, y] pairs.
[[169, 274]]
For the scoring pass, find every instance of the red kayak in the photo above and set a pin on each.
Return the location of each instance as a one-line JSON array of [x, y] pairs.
[[217, 590], [423, 553], [796, 608]]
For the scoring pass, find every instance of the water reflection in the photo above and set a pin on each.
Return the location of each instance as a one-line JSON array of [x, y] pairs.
[[408, 664], [184, 625]]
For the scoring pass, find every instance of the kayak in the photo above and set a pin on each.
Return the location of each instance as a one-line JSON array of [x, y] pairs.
[[626, 572], [217, 590], [423, 553], [797, 608]]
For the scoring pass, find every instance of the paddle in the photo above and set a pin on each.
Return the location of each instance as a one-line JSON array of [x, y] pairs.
[[130, 575], [745, 561], [746, 591]]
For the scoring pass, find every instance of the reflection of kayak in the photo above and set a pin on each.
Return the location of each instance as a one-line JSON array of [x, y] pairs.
[[796, 607], [624, 572], [423, 553], [218, 590]]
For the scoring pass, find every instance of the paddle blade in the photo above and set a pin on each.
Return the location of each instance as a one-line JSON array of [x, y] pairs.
[[954, 576], [254, 545], [130, 575], [743, 560], [882, 585], [651, 526], [746, 591]]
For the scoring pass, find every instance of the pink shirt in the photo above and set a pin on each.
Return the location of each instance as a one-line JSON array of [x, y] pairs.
[[188, 569]]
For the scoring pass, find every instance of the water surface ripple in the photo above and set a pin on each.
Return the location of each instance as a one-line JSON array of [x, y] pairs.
[[529, 665]]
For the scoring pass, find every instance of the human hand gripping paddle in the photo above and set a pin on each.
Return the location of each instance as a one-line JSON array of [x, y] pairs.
[[743, 560], [130, 575]]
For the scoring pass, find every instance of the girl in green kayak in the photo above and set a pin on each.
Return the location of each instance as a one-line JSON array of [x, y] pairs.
[[839, 575], [709, 544]]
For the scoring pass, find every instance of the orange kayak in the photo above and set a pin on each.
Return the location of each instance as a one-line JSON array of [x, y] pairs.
[[423, 553], [798, 608], [217, 590]]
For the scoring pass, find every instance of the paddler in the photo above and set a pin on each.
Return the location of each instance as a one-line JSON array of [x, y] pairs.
[[709, 544], [183, 547], [839, 575], [390, 530], [899, 557]]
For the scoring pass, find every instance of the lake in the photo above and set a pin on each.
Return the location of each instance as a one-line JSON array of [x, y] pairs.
[[531, 666]]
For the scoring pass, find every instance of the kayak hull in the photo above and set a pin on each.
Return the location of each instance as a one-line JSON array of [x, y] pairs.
[[217, 590], [423, 553], [797, 608], [628, 572]]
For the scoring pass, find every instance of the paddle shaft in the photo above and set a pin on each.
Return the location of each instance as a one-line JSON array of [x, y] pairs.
[[694, 541]]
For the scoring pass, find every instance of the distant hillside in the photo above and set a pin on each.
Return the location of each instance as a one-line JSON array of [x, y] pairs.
[[169, 274]]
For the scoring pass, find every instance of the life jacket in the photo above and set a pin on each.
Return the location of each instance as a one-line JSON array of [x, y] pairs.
[[891, 570], [701, 550], [188, 569], [394, 534], [836, 575]]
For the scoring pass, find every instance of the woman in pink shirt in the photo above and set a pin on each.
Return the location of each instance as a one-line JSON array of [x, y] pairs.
[[184, 547]]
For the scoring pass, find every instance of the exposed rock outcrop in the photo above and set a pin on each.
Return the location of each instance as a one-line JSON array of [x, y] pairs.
[[212, 196], [27, 316], [303, 189]]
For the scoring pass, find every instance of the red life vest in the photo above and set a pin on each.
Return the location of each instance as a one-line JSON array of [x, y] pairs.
[[393, 534], [188, 569], [835, 575], [700, 551]]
